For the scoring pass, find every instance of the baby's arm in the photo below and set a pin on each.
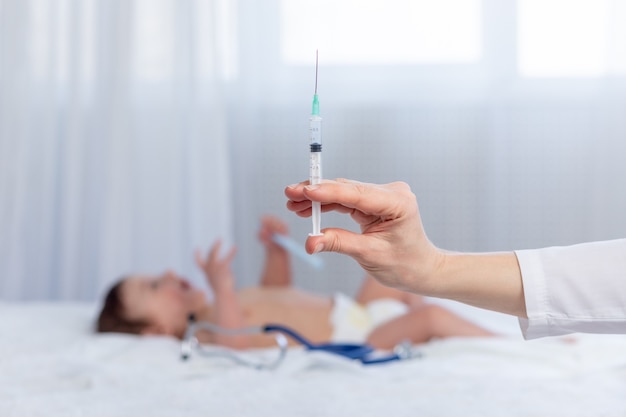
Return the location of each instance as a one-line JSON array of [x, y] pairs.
[[227, 311]]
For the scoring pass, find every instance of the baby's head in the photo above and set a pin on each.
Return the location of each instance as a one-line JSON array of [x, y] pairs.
[[150, 304]]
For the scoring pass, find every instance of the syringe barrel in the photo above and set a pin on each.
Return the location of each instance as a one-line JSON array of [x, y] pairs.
[[315, 168], [315, 133], [315, 177]]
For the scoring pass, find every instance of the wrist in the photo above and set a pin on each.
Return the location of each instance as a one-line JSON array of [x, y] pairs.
[[425, 275], [435, 277], [447, 278]]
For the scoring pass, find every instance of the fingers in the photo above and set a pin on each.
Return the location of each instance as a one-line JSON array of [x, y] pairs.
[[380, 200], [300, 204], [388, 200], [213, 255], [203, 262], [214, 251], [303, 208], [294, 192]]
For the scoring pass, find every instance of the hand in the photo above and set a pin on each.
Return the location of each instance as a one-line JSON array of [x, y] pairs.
[[218, 269], [271, 225], [392, 245]]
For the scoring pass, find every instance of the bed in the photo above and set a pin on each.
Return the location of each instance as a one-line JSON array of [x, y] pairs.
[[51, 364]]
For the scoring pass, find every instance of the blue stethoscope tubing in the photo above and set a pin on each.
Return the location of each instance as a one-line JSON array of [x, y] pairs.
[[356, 351]]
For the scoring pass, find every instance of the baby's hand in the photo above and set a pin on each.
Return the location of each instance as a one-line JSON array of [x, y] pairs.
[[217, 269], [271, 225]]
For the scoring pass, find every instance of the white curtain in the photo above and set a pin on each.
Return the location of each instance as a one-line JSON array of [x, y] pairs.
[[113, 146], [133, 131]]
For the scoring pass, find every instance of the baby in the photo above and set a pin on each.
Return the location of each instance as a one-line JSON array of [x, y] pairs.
[[378, 315]]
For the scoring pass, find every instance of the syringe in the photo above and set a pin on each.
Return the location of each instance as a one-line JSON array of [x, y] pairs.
[[315, 163]]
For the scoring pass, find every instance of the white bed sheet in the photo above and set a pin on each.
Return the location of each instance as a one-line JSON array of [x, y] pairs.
[[51, 364]]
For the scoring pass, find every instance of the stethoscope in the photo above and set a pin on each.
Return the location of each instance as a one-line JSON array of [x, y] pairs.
[[362, 352]]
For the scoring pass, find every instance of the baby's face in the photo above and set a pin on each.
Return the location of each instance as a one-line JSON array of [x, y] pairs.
[[164, 301]]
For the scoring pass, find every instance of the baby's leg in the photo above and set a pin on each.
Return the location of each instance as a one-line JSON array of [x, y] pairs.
[[422, 324], [373, 290]]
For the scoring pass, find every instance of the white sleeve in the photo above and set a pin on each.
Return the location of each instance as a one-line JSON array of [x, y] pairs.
[[580, 288]]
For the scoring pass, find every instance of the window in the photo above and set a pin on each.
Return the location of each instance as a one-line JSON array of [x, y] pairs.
[[571, 38], [381, 31]]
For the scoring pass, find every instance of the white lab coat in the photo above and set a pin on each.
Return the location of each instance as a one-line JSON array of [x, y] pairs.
[[580, 288]]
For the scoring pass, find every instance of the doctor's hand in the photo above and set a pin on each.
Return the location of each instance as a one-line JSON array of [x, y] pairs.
[[392, 245]]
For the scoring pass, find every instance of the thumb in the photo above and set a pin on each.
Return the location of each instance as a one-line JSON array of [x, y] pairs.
[[337, 240]]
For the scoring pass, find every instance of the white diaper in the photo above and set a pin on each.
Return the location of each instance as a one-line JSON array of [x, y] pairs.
[[353, 322]]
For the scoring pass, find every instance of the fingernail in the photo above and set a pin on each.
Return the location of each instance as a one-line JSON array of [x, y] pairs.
[[292, 186], [318, 248], [312, 187]]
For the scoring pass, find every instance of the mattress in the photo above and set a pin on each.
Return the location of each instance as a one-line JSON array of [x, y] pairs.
[[52, 364]]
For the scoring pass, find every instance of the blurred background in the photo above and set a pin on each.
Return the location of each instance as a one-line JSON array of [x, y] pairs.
[[134, 131]]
